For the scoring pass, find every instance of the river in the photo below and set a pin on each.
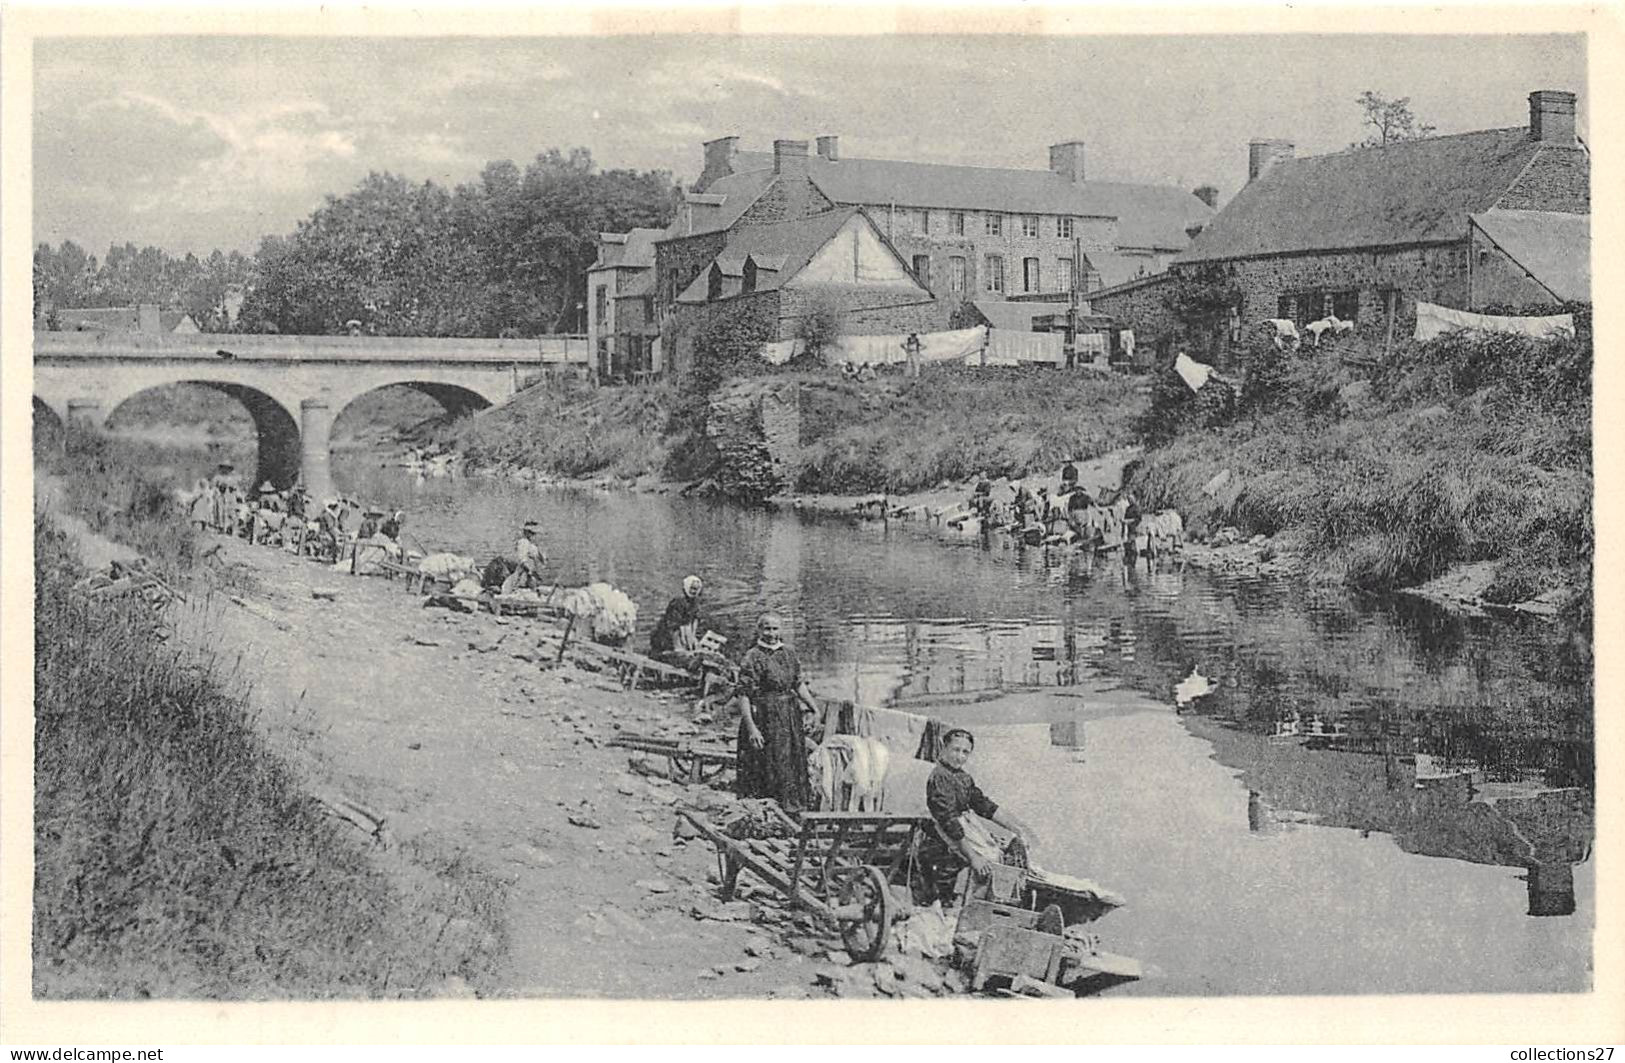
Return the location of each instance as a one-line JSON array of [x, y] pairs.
[[1374, 795]]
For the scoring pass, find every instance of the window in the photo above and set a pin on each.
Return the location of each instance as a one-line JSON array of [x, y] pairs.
[[956, 222], [1063, 228], [956, 273], [922, 269], [922, 221], [1286, 308], [601, 301], [1029, 275], [995, 224], [1346, 305], [1029, 225], [713, 283], [995, 270], [1063, 274]]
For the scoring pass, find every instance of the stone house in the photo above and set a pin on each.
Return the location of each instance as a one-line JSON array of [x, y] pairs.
[[775, 272], [1487, 218], [973, 233], [622, 329]]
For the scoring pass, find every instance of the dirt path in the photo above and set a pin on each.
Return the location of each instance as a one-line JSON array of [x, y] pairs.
[[447, 727]]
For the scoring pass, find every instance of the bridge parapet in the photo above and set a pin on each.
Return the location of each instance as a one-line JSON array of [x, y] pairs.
[[206, 347]]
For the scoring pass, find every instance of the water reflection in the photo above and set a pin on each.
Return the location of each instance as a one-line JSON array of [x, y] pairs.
[[1460, 738]]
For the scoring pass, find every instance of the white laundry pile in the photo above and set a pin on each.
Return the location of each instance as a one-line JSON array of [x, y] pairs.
[[1192, 687], [850, 761], [1192, 372], [446, 566], [1433, 320]]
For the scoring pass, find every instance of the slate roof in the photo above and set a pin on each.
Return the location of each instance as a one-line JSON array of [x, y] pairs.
[[637, 251], [1150, 216], [1416, 191], [788, 244], [737, 191], [1555, 248]]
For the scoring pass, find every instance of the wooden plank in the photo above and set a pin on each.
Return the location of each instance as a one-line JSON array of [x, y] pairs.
[[830, 859]]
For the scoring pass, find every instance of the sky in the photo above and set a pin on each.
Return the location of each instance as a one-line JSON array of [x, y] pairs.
[[198, 143]]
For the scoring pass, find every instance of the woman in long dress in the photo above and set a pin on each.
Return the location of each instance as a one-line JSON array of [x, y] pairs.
[[772, 739]]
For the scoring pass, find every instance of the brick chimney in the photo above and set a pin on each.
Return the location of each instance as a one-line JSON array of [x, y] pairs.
[[149, 318], [1067, 160], [829, 147], [719, 161], [1262, 154], [1551, 117], [790, 156]]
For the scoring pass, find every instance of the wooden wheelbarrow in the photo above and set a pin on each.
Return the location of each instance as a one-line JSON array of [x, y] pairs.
[[837, 865], [689, 762]]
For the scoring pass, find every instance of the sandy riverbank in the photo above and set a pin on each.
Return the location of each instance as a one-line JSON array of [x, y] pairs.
[[449, 727]]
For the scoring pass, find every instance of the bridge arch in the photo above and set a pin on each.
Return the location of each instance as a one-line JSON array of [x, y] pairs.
[[276, 428], [456, 400]]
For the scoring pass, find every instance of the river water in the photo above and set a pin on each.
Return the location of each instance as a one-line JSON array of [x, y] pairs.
[[1373, 796]]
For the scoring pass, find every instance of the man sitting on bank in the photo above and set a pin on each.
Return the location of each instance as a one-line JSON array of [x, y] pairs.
[[528, 560]]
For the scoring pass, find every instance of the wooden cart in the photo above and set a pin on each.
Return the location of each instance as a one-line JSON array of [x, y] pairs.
[[690, 762], [837, 865]]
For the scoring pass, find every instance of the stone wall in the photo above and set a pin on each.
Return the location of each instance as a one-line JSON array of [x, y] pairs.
[[1500, 281], [686, 257], [756, 429], [864, 311], [790, 196], [940, 243]]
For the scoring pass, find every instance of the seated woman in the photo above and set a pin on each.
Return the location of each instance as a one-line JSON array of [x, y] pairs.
[[956, 839]]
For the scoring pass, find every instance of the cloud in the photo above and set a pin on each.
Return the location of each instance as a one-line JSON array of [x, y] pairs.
[[174, 158]]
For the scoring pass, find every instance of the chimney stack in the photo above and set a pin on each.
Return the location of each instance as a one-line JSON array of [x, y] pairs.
[[1551, 117], [1262, 154], [1067, 160], [719, 161], [149, 318], [790, 156], [829, 147]]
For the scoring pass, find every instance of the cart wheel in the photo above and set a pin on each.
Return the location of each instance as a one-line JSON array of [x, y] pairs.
[[866, 937]]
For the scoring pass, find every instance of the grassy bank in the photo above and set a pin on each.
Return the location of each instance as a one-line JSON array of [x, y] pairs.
[[176, 855], [889, 434], [953, 422], [573, 430], [1458, 450]]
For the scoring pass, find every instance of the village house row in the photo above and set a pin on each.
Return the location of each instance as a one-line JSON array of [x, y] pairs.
[[1497, 217]]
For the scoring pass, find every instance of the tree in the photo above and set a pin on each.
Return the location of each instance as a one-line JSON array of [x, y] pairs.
[[1202, 301], [1390, 121]]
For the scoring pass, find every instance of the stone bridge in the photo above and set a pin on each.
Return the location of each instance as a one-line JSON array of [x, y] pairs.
[[293, 387]]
